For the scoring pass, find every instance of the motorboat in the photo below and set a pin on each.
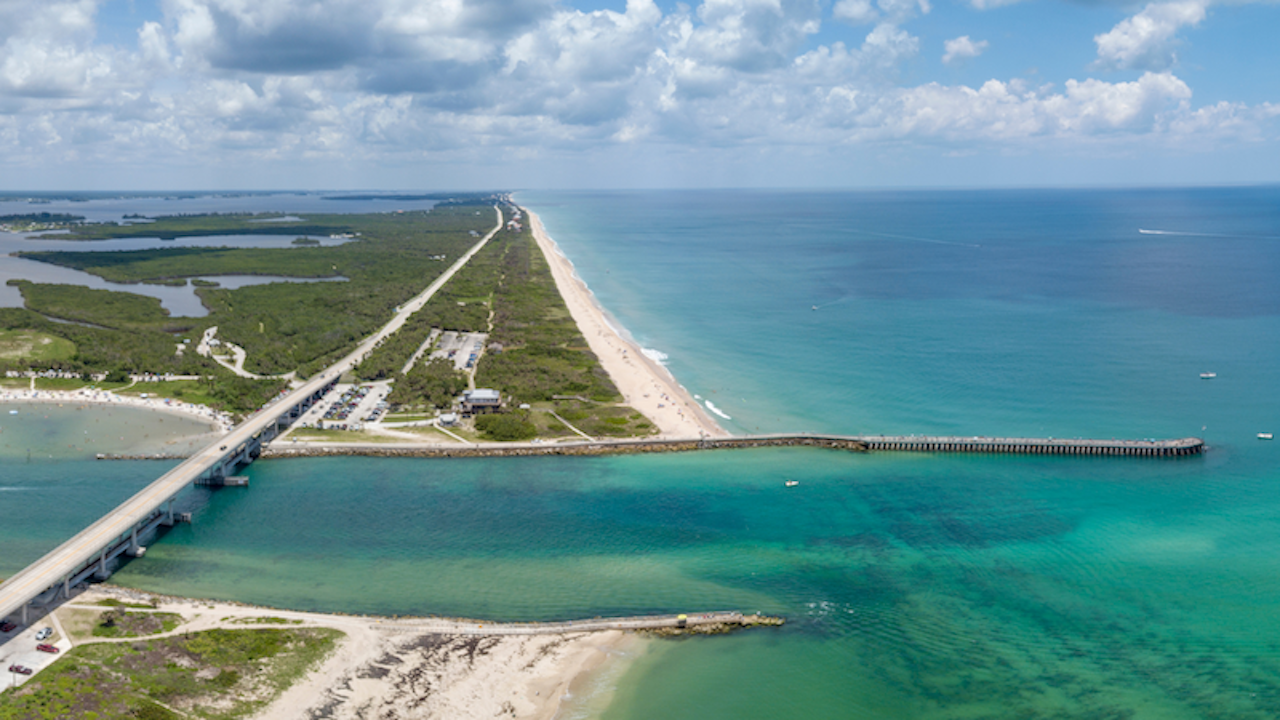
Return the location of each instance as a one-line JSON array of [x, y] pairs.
[[792, 483], [1208, 376], [1264, 436]]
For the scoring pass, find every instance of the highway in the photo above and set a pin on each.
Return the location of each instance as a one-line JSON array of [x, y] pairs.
[[73, 555]]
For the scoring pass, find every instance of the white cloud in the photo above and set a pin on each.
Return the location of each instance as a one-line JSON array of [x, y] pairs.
[[991, 4], [1146, 41], [855, 12], [397, 81], [962, 48]]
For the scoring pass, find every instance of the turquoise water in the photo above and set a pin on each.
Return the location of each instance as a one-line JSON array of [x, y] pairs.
[[916, 586], [51, 486]]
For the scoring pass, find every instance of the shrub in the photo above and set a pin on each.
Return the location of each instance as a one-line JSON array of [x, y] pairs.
[[506, 427]]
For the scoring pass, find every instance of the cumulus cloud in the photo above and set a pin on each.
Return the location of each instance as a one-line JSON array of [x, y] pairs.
[[1146, 41], [855, 12], [962, 48], [395, 80]]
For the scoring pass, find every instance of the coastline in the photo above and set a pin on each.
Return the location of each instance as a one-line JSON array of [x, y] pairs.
[[220, 422], [645, 385], [406, 667]]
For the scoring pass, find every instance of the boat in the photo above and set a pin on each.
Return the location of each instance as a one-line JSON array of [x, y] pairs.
[[1264, 436], [1208, 376], [792, 483]]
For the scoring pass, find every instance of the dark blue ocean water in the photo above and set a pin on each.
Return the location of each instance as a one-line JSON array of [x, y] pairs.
[[915, 586]]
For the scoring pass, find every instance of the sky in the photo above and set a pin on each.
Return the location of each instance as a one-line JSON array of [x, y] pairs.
[[538, 94]]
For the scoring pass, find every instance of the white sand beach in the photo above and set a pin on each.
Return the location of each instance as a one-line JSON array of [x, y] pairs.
[[645, 385], [408, 668], [221, 421]]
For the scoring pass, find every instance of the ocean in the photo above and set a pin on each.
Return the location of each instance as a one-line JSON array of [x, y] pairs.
[[915, 585]]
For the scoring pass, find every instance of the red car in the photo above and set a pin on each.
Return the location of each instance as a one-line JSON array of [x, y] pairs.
[[6, 626], [46, 647], [20, 669]]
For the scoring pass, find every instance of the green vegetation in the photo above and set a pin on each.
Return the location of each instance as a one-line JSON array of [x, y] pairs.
[[433, 384], [169, 227], [506, 426], [317, 434], [104, 308], [112, 602], [543, 352], [37, 347], [596, 420], [222, 392], [281, 326], [118, 622], [42, 217], [216, 675], [104, 349]]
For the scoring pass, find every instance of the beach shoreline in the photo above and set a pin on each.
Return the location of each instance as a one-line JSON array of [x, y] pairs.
[[406, 667], [645, 385], [219, 421]]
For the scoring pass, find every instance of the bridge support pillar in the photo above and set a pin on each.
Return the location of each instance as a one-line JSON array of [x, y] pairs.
[[25, 618]]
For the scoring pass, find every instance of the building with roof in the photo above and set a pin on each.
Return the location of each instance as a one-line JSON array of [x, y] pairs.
[[481, 400]]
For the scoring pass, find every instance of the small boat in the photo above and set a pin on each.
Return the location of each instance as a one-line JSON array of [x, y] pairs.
[[815, 307], [792, 483], [1264, 436], [1208, 376]]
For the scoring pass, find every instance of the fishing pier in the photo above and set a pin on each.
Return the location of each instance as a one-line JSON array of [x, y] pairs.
[[1034, 446]]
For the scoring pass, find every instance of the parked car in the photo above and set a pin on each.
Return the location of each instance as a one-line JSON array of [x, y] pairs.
[[46, 647], [44, 633], [7, 626], [20, 669]]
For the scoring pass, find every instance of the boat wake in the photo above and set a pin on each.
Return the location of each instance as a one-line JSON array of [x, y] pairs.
[[1179, 233], [933, 241]]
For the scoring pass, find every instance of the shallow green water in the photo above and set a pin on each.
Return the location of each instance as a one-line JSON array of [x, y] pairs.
[[915, 586], [51, 486]]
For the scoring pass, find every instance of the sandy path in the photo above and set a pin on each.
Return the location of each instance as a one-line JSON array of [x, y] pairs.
[[645, 385]]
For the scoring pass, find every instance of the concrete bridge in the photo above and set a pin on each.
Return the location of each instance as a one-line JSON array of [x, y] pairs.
[[92, 550]]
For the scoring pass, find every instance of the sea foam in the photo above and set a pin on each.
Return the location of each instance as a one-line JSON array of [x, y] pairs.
[[711, 406], [655, 355]]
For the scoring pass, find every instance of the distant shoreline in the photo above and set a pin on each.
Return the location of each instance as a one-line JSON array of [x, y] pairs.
[[645, 385]]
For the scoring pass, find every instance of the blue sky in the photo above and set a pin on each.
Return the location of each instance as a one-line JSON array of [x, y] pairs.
[[394, 94]]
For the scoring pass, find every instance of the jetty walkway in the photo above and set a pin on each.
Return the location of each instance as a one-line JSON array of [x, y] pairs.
[[117, 533], [694, 623], [1035, 446], [853, 443]]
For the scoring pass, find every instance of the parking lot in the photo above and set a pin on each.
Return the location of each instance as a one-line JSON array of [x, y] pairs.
[[18, 648], [464, 349], [349, 406]]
